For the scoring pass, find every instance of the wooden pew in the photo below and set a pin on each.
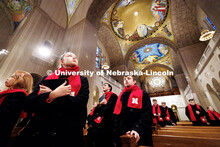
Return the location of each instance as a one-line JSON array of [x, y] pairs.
[[129, 141], [190, 133], [189, 129], [184, 141], [184, 123]]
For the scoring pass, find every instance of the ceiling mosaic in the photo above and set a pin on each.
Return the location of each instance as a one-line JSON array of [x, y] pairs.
[[19, 9], [150, 54], [134, 20], [71, 6]]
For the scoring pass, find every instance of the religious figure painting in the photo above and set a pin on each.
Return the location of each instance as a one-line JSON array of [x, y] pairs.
[[71, 6], [150, 53]]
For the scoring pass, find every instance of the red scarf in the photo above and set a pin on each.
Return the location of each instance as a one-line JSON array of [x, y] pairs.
[[74, 80], [192, 116], [168, 115], [210, 113], [158, 112], [134, 100], [3, 95], [107, 97]]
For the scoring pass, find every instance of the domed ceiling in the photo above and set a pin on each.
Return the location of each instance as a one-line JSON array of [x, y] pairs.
[[151, 53], [133, 21]]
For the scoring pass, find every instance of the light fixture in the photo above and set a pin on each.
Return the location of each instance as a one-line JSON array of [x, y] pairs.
[[206, 35], [4, 52], [44, 51], [135, 13], [105, 66]]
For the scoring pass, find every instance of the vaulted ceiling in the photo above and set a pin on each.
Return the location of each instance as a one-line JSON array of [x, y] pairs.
[[178, 28]]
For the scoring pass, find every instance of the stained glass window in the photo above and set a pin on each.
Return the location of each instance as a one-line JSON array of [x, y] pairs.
[[98, 57], [211, 23]]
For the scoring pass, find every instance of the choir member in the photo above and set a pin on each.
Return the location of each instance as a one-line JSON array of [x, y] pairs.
[[133, 114]]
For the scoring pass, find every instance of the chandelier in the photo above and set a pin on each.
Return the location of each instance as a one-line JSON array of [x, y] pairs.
[[206, 35]]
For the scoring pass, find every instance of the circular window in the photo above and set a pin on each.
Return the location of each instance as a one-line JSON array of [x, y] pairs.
[[157, 82]]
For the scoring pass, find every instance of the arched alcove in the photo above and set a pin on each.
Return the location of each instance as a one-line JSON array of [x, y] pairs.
[[216, 85], [96, 95]]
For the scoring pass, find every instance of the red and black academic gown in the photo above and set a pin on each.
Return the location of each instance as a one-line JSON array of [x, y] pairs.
[[11, 102], [131, 118], [197, 120], [101, 119], [157, 110], [58, 123], [167, 115], [213, 118]]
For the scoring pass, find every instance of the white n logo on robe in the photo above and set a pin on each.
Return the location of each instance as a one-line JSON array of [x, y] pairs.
[[72, 93], [134, 100]]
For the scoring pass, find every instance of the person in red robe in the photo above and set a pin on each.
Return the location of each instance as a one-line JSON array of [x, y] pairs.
[[213, 117], [196, 113]]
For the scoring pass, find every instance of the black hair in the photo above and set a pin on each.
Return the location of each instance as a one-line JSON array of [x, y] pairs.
[[109, 86], [191, 100]]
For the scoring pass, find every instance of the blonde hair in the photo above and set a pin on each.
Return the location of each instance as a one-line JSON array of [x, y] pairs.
[[23, 80]]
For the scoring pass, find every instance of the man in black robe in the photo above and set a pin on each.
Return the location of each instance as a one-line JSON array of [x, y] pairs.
[[100, 120], [167, 115], [133, 114], [195, 113]]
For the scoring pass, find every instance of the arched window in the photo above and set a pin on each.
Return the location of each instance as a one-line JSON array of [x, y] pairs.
[[98, 54], [211, 23]]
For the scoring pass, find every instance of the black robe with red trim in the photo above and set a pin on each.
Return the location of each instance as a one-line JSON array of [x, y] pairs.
[[59, 123], [139, 120], [198, 121], [101, 133], [164, 114], [10, 110]]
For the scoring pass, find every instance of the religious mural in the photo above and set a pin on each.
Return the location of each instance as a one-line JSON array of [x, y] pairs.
[[71, 6], [19, 9], [150, 53], [126, 12]]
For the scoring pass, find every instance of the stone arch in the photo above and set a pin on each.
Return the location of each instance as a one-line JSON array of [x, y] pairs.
[[212, 97], [216, 85], [149, 41], [111, 44], [97, 9], [156, 65]]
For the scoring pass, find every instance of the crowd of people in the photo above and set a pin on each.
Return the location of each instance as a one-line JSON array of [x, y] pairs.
[[57, 108]]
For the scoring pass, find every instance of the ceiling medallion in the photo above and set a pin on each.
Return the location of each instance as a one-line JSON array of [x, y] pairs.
[[147, 50], [137, 19]]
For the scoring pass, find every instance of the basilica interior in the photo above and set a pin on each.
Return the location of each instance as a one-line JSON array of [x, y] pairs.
[[180, 37]]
